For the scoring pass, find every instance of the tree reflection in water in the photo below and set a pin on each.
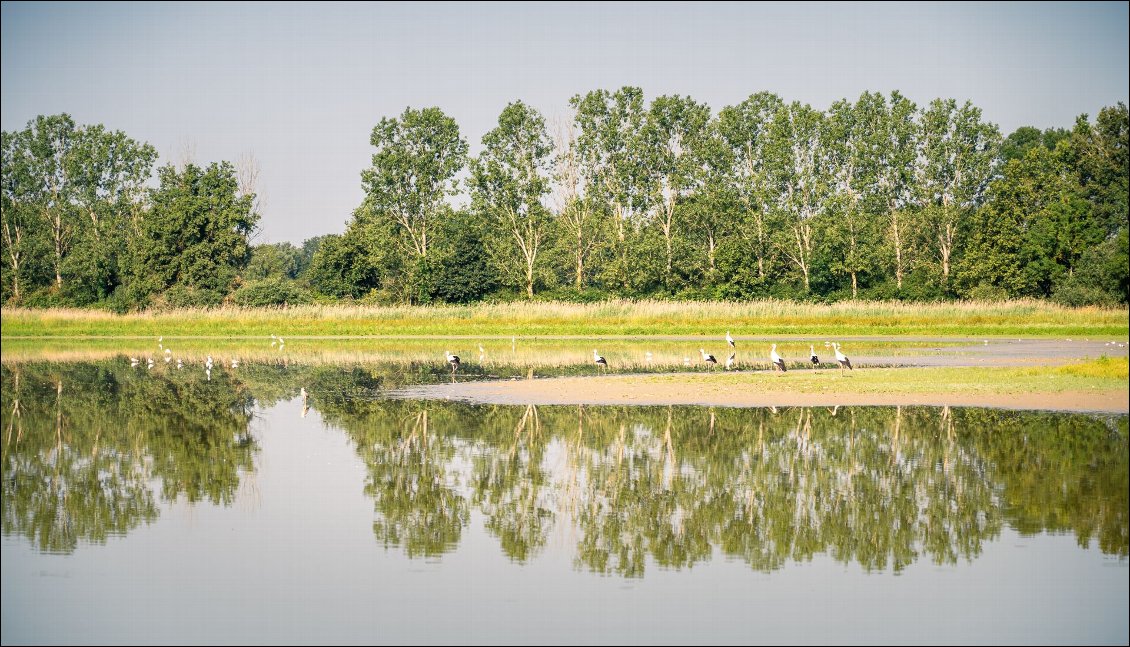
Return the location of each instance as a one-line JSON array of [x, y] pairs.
[[89, 449], [86, 445]]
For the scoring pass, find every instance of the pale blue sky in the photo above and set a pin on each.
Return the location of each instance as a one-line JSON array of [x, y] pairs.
[[301, 86]]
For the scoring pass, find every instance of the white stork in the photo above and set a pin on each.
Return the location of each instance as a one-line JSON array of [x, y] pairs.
[[814, 358], [600, 361], [778, 363], [842, 359], [708, 358], [730, 361], [729, 339], [453, 360]]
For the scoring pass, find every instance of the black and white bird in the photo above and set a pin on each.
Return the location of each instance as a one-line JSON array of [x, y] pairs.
[[453, 360], [842, 359], [708, 358], [600, 361], [814, 358], [730, 361], [778, 363], [729, 339]]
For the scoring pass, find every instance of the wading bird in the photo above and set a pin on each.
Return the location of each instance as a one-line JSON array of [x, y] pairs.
[[453, 360], [709, 359], [730, 361], [729, 339], [778, 363], [600, 361], [814, 358], [842, 359]]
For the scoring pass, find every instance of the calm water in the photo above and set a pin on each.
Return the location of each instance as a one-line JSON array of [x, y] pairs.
[[167, 506]]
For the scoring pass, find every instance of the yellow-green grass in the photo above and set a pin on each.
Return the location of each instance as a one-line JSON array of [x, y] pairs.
[[1103, 374], [612, 318]]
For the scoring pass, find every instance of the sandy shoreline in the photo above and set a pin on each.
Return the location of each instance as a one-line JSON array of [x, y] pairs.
[[631, 390]]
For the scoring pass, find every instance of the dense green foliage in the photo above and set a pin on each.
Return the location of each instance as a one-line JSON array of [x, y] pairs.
[[875, 198]]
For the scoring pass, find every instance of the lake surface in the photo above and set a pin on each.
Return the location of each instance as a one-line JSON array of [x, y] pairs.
[[162, 505]]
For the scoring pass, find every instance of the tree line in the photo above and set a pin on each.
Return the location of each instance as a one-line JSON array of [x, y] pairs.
[[874, 198]]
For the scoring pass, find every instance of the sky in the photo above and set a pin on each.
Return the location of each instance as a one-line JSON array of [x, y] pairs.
[[301, 86]]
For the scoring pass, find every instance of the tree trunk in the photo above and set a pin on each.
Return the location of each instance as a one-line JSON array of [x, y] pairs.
[[760, 247], [710, 255], [14, 256], [898, 249], [667, 235], [580, 259], [854, 286]]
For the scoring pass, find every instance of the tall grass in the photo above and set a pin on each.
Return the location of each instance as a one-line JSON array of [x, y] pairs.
[[768, 317]]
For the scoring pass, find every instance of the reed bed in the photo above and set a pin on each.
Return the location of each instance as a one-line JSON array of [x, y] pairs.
[[609, 318]]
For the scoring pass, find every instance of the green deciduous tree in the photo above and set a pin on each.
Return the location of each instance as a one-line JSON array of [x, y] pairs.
[[610, 149], [195, 235], [411, 176], [676, 136], [800, 175], [958, 151], [508, 182], [744, 129]]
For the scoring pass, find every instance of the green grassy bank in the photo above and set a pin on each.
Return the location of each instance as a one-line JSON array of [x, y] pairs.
[[1013, 318]]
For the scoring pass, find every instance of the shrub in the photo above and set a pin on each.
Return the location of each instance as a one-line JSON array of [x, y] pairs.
[[180, 296], [269, 292]]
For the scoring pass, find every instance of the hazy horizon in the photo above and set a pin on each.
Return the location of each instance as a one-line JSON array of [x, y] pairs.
[[301, 86]]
